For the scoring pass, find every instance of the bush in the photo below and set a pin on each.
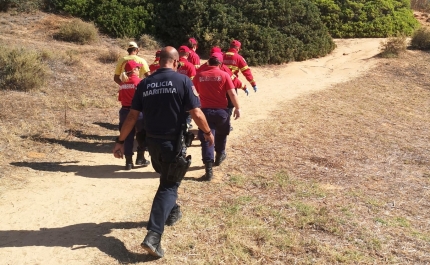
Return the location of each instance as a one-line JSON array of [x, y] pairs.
[[21, 70], [21, 5], [271, 32], [374, 18], [77, 31], [393, 46], [118, 18], [110, 56], [148, 42], [421, 39], [423, 5]]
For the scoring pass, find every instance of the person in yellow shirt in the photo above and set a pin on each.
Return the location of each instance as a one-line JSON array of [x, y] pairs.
[[132, 50]]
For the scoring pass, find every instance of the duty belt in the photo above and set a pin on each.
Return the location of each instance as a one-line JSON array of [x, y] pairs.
[[165, 137]]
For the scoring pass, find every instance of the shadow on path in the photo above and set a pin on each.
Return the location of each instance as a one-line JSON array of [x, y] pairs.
[[109, 126], [76, 237], [98, 171]]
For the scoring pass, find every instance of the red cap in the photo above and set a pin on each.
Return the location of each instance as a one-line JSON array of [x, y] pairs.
[[130, 65], [157, 54], [192, 41], [236, 43], [184, 49], [217, 55], [216, 49]]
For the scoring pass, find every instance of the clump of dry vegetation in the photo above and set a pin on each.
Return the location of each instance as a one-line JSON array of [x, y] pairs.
[[22, 69], [338, 176], [78, 31], [393, 47], [148, 42], [421, 39], [111, 55]]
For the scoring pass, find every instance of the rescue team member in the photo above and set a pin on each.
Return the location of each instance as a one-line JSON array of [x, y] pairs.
[[132, 50], [130, 79], [194, 58], [185, 67], [155, 65], [237, 63], [212, 85], [164, 96], [236, 82]]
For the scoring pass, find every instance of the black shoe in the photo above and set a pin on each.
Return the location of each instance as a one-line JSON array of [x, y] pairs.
[[219, 158], [140, 159], [174, 216], [152, 244], [208, 172], [129, 163]]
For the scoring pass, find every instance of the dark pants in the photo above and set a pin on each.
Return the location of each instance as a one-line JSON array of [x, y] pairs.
[[129, 141], [162, 152], [230, 105], [219, 122]]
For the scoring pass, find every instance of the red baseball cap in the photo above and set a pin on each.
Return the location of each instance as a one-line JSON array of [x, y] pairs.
[[236, 43], [157, 54], [184, 48], [218, 56], [130, 65], [192, 41], [216, 49]]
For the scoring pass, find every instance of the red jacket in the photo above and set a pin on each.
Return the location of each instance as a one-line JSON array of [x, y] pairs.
[[186, 68], [154, 66], [127, 89], [194, 59], [236, 82], [236, 63]]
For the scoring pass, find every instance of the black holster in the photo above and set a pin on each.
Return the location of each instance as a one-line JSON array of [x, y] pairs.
[[179, 168]]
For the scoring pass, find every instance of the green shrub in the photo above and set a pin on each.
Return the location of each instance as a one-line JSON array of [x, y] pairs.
[[373, 18], [118, 18], [21, 70], [271, 32], [421, 39], [77, 31], [393, 46]]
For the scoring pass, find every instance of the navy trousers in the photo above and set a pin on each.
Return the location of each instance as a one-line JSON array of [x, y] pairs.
[[129, 141], [162, 152], [219, 122]]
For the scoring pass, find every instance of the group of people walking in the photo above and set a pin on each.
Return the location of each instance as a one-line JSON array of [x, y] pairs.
[[158, 110]]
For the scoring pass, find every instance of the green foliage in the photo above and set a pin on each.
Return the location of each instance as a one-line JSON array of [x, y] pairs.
[[77, 31], [118, 18], [421, 39], [21, 70], [374, 18], [393, 46], [271, 32]]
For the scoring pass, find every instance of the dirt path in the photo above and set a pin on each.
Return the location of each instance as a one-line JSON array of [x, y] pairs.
[[68, 215]]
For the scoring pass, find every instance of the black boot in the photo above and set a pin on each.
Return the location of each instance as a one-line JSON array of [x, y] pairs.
[[152, 244], [219, 158], [208, 172], [129, 162], [140, 159], [174, 216]]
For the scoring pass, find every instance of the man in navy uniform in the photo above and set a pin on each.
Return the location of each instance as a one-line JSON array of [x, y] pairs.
[[164, 98]]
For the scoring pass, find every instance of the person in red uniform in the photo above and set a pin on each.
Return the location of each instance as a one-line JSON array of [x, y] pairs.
[[185, 67], [129, 81], [213, 84], [194, 58], [156, 64], [237, 63]]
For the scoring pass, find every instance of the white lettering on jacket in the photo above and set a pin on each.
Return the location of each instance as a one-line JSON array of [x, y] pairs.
[[159, 84], [127, 86], [156, 91], [210, 78]]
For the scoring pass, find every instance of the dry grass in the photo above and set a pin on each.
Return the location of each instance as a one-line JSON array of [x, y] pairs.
[[393, 47]]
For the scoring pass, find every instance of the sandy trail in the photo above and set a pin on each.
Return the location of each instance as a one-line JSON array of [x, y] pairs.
[[61, 214]]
